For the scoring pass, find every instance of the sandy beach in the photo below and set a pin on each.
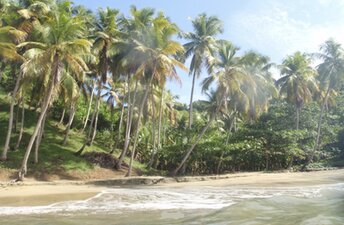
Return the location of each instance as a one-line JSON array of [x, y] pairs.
[[38, 193]]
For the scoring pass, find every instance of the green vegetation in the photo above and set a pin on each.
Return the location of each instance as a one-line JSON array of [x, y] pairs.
[[79, 81]]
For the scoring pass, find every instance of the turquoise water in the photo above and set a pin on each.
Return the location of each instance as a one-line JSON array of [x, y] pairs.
[[321, 204]]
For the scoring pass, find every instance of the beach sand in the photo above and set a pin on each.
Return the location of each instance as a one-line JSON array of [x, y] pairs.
[[43, 193]]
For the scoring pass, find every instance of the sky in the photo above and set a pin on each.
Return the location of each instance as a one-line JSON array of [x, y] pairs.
[[275, 28]]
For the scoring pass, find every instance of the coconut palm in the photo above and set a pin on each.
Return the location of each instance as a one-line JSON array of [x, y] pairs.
[[258, 68], [158, 50], [201, 46], [127, 62], [71, 91], [331, 77], [298, 84], [59, 45], [106, 35], [10, 36], [229, 78]]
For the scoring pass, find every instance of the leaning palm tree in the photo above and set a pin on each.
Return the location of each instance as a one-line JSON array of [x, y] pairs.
[[158, 51], [229, 78], [71, 91], [331, 77], [201, 46], [127, 62], [298, 84], [106, 36], [59, 44], [10, 36]]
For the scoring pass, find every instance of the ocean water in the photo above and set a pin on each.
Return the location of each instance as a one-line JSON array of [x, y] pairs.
[[309, 205]]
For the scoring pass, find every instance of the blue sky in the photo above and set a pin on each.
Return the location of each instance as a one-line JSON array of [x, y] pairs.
[[274, 28]]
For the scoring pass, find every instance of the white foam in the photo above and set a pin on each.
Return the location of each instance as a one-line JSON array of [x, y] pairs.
[[119, 200]]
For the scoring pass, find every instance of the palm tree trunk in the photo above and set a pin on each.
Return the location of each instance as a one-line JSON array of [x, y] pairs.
[[298, 110], [62, 117], [92, 123], [191, 99], [128, 125], [21, 126], [317, 140], [150, 163], [119, 129], [16, 121], [159, 128], [160, 117], [39, 140], [96, 116], [188, 152], [226, 143], [45, 105], [10, 121], [88, 109], [70, 121], [139, 125]]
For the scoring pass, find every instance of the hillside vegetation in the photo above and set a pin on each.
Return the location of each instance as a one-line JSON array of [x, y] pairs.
[[90, 89]]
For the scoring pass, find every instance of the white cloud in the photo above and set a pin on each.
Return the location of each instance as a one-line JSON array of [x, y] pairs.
[[274, 30]]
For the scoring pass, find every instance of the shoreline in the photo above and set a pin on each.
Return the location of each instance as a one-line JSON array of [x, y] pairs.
[[40, 192]]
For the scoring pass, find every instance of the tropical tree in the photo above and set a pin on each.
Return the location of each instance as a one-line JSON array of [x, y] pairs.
[[258, 67], [331, 77], [126, 61], [229, 78], [59, 45], [201, 46], [71, 90], [298, 84], [158, 51], [106, 36], [10, 36]]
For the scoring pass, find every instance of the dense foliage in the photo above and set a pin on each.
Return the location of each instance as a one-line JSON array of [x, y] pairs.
[[104, 74]]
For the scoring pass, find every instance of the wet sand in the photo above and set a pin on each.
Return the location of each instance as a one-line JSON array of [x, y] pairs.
[[43, 193]]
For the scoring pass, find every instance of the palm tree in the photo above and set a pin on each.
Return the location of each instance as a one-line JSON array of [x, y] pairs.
[[127, 62], [230, 78], [29, 15], [201, 46], [71, 91], [258, 68], [105, 38], [10, 36], [59, 45], [331, 77], [158, 50], [298, 84]]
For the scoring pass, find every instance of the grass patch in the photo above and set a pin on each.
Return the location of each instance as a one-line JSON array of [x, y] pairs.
[[54, 158]]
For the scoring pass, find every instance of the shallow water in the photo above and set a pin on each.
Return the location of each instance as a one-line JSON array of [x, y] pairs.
[[321, 204]]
